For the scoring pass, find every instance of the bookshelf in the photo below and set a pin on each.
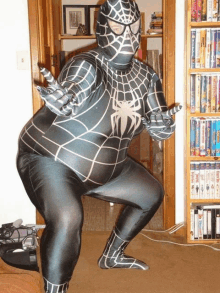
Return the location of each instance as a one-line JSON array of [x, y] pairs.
[[197, 222]]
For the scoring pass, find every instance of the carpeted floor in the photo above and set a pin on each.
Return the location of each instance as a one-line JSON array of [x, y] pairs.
[[173, 269]]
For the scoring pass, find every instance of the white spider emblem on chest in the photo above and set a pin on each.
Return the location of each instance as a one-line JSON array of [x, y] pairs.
[[125, 111]]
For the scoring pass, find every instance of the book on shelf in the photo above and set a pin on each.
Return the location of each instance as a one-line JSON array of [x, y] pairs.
[[205, 48], [156, 24], [205, 93], [204, 180], [155, 61], [205, 10], [155, 31], [205, 222], [205, 136]]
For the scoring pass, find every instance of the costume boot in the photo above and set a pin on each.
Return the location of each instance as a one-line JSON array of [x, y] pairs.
[[54, 288], [114, 257]]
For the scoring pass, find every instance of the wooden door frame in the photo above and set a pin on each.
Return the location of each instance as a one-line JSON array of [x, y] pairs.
[[35, 51], [169, 90], [169, 13]]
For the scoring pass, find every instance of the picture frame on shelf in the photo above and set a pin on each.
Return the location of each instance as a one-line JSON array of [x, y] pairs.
[[73, 16], [92, 19]]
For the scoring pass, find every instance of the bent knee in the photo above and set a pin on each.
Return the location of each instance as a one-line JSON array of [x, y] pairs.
[[154, 196], [68, 219]]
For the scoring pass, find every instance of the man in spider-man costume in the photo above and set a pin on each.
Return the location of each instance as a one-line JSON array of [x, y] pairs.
[[77, 145]]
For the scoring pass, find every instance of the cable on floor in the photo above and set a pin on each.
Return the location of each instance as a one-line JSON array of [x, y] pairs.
[[171, 231]]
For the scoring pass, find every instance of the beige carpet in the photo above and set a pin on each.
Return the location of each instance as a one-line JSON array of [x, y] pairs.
[[173, 269]]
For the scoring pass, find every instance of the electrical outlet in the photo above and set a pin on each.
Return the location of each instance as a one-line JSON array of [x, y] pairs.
[[23, 60]]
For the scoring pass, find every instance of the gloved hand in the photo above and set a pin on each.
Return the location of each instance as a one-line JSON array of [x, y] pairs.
[[55, 96], [160, 125]]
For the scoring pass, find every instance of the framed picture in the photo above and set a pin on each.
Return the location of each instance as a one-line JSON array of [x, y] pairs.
[[73, 16], [93, 16]]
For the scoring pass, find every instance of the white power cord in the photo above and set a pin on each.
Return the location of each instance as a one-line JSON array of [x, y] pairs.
[[172, 230]]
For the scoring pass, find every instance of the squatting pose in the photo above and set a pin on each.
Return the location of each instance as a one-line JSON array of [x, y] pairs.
[[77, 145]]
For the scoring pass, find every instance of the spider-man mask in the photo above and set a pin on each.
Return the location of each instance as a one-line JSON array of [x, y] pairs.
[[118, 31]]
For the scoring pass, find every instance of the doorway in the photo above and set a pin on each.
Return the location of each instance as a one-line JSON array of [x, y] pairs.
[[45, 24]]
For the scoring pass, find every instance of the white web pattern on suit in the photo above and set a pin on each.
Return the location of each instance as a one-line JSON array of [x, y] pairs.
[[54, 288], [123, 16], [138, 75], [118, 257]]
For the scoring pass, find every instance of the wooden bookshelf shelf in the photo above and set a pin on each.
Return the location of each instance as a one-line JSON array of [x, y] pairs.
[[204, 241], [70, 37], [211, 200], [204, 70], [204, 114], [204, 24], [204, 158]]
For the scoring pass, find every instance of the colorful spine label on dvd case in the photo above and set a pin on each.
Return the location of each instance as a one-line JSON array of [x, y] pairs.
[[207, 180], [192, 93], [197, 49], [218, 49], [192, 180], [213, 137], [217, 138], [202, 48], [205, 226], [192, 137], [209, 92], [208, 137], [199, 10], [200, 224], [198, 92], [217, 180], [212, 180], [214, 10], [197, 143], [209, 10], [202, 180], [213, 47], [197, 180], [202, 137], [194, 10], [203, 94], [193, 48], [214, 89], [208, 48]]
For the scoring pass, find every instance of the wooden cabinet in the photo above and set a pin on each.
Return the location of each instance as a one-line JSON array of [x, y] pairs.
[[198, 200]]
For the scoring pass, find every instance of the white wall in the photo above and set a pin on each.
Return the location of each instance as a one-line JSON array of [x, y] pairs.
[[180, 117], [16, 109]]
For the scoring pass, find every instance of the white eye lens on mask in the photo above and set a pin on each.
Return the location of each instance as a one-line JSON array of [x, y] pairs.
[[135, 26], [116, 27]]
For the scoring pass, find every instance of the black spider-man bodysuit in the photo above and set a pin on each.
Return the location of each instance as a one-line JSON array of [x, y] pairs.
[[77, 145]]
